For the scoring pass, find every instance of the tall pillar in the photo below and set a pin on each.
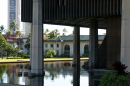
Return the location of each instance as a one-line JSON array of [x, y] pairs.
[[37, 39], [76, 56], [113, 40], [31, 30], [125, 34], [93, 44], [76, 46]]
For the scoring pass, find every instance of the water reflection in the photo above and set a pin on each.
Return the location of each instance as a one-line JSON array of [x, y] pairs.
[[56, 74], [76, 76], [37, 81]]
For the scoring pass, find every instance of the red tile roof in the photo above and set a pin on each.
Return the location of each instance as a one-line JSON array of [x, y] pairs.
[[13, 38]]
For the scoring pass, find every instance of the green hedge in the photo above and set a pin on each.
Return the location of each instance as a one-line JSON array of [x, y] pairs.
[[26, 56]]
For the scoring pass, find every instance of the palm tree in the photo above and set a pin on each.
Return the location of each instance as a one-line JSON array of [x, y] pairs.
[[29, 34], [46, 33], [53, 35], [18, 33], [13, 27], [8, 34], [56, 35], [64, 31], [1, 29]]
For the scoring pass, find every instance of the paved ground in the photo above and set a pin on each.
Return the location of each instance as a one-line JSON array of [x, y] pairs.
[[12, 85]]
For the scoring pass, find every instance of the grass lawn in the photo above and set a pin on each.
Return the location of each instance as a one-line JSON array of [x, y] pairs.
[[2, 60]]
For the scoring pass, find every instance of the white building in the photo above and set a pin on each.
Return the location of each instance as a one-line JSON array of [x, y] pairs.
[[17, 43], [64, 44]]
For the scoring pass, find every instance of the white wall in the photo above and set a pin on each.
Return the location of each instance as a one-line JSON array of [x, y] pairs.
[[62, 45]]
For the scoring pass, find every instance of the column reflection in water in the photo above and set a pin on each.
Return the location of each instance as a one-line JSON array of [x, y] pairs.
[[93, 79], [37, 81], [76, 76]]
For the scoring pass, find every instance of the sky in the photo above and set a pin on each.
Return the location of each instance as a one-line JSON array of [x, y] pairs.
[[3, 21]]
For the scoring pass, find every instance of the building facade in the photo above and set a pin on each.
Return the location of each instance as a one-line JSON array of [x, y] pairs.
[[18, 43], [64, 45], [14, 12]]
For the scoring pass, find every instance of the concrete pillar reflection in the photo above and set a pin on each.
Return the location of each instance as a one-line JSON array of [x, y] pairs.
[[93, 44], [76, 45], [37, 39], [91, 79], [37, 81], [76, 76]]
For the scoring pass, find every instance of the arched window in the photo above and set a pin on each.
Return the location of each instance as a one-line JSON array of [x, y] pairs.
[[86, 51], [67, 50]]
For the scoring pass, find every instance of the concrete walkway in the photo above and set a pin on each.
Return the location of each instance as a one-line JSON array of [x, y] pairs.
[[12, 85]]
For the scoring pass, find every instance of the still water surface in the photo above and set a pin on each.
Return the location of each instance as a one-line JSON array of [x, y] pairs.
[[56, 74]]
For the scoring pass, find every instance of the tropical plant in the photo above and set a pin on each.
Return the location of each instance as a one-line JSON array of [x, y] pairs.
[[18, 33], [1, 29], [51, 53], [8, 33], [9, 49], [27, 45], [46, 33], [2, 41], [14, 27], [53, 34], [117, 77], [64, 31], [120, 68], [29, 35], [16, 51]]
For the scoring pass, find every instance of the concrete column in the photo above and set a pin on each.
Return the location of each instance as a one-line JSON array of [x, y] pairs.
[[125, 34], [37, 39], [76, 56], [113, 40], [31, 30], [93, 44], [76, 46]]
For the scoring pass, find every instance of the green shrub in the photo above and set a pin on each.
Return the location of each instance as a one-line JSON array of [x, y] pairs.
[[111, 78], [51, 53], [117, 77], [19, 55], [26, 56], [63, 55], [22, 55]]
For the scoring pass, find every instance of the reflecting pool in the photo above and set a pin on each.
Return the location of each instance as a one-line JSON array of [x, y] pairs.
[[56, 74]]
